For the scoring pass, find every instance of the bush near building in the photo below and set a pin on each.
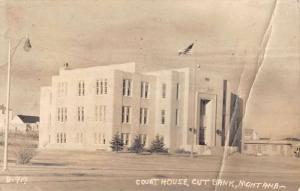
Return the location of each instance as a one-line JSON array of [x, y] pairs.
[[137, 145], [116, 143], [157, 145], [24, 155]]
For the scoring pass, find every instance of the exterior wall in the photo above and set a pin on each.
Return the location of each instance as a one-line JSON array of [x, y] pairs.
[[268, 149], [91, 134], [45, 117], [135, 101]]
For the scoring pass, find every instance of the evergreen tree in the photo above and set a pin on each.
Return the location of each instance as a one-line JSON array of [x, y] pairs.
[[157, 145], [137, 145], [116, 143]]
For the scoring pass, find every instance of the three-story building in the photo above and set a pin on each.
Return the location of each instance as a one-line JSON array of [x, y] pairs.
[[83, 108]]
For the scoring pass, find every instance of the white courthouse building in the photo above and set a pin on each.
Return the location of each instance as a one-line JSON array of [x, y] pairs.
[[83, 108]]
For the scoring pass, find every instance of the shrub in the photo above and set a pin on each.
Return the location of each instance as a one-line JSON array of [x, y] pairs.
[[157, 145], [137, 145], [24, 155], [116, 143]]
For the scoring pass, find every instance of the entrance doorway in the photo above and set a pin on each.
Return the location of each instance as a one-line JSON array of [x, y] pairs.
[[205, 121]]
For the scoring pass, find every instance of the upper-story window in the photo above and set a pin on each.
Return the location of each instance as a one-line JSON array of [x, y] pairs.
[[58, 114], [100, 112], [62, 114], [163, 116], [126, 114], [177, 90], [101, 86], [163, 90], [143, 116], [62, 89], [144, 89], [81, 88], [127, 83], [105, 86], [80, 114]]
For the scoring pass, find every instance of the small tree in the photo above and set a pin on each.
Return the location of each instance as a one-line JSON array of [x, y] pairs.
[[24, 155], [137, 145], [116, 143], [157, 145]]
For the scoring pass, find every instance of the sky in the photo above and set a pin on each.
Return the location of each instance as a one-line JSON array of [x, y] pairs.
[[227, 33]]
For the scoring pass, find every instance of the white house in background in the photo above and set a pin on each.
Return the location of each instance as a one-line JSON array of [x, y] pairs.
[[83, 108], [3, 116], [24, 123]]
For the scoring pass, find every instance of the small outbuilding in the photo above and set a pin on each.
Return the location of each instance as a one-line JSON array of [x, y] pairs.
[[24, 123]]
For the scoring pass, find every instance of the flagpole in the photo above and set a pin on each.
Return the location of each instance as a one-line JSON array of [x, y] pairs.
[[7, 108]]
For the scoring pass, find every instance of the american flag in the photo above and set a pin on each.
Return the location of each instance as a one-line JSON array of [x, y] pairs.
[[187, 50], [27, 45]]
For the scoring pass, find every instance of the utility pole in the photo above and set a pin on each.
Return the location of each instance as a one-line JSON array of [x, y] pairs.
[[7, 108], [27, 47]]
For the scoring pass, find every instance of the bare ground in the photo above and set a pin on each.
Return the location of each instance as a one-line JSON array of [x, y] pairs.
[[79, 170]]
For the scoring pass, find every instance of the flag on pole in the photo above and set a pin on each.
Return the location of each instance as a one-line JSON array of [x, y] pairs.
[[27, 45], [187, 50]]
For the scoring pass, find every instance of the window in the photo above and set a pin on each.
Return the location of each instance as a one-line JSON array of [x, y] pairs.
[[127, 87], [80, 114], [125, 138], [62, 114], [66, 114], [66, 89], [61, 138], [101, 86], [143, 139], [97, 138], [81, 137], [57, 138], [125, 114], [58, 114], [143, 116], [97, 87], [100, 113], [176, 117], [62, 89], [81, 88], [105, 86], [177, 91], [163, 90], [144, 89], [163, 116]]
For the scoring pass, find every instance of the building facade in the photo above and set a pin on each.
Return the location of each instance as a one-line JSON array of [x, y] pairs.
[[83, 108]]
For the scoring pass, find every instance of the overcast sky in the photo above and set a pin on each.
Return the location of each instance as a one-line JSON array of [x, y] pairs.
[[89, 33]]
